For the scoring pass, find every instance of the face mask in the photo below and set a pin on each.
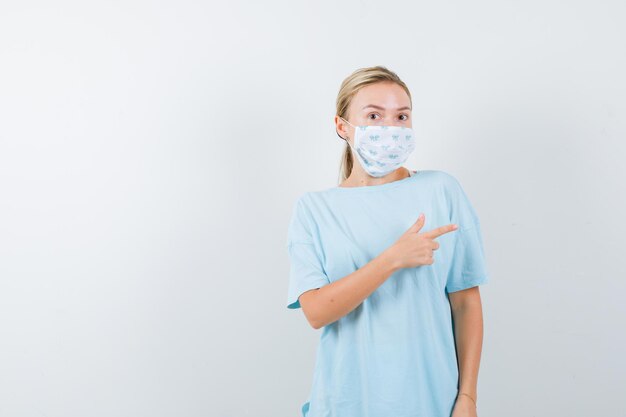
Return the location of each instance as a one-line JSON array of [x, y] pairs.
[[382, 149]]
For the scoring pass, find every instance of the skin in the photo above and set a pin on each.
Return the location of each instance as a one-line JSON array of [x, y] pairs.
[[414, 248]]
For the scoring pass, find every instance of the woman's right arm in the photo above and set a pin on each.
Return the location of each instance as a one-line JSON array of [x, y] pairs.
[[329, 303]]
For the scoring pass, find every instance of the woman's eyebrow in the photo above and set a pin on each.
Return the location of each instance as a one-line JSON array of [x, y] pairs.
[[382, 108]]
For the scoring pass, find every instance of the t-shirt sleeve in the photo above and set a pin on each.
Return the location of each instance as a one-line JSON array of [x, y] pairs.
[[468, 264], [306, 270]]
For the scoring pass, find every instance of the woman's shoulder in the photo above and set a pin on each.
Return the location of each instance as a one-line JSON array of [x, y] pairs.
[[438, 176], [447, 183]]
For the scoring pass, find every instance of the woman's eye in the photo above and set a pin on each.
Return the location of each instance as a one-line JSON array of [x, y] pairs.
[[373, 114], [405, 117]]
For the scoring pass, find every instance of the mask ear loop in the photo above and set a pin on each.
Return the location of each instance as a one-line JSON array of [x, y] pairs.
[[347, 122], [346, 139]]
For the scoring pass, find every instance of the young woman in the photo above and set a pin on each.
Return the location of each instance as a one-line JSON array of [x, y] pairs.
[[388, 265]]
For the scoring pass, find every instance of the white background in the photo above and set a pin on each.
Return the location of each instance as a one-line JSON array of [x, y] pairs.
[[150, 154]]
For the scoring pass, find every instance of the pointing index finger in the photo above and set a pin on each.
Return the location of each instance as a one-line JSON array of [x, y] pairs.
[[435, 233]]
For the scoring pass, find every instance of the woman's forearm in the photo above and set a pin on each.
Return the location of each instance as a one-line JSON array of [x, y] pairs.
[[468, 331], [333, 301]]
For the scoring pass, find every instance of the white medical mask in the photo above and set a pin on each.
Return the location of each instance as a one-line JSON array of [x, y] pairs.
[[382, 149]]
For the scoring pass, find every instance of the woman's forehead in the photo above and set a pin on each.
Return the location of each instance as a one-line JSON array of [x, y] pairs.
[[381, 96]]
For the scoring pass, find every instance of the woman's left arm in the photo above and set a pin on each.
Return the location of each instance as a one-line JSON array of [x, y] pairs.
[[467, 314]]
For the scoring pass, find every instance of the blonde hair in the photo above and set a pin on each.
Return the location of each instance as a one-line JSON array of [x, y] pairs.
[[349, 87]]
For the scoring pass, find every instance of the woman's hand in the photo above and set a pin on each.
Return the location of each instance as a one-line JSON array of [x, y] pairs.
[[413, 248], [464, 407]]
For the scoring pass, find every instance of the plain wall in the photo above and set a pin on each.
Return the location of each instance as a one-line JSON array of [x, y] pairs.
[[150, 154]]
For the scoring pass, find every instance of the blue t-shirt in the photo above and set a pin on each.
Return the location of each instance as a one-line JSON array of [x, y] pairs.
[[394, 354]]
